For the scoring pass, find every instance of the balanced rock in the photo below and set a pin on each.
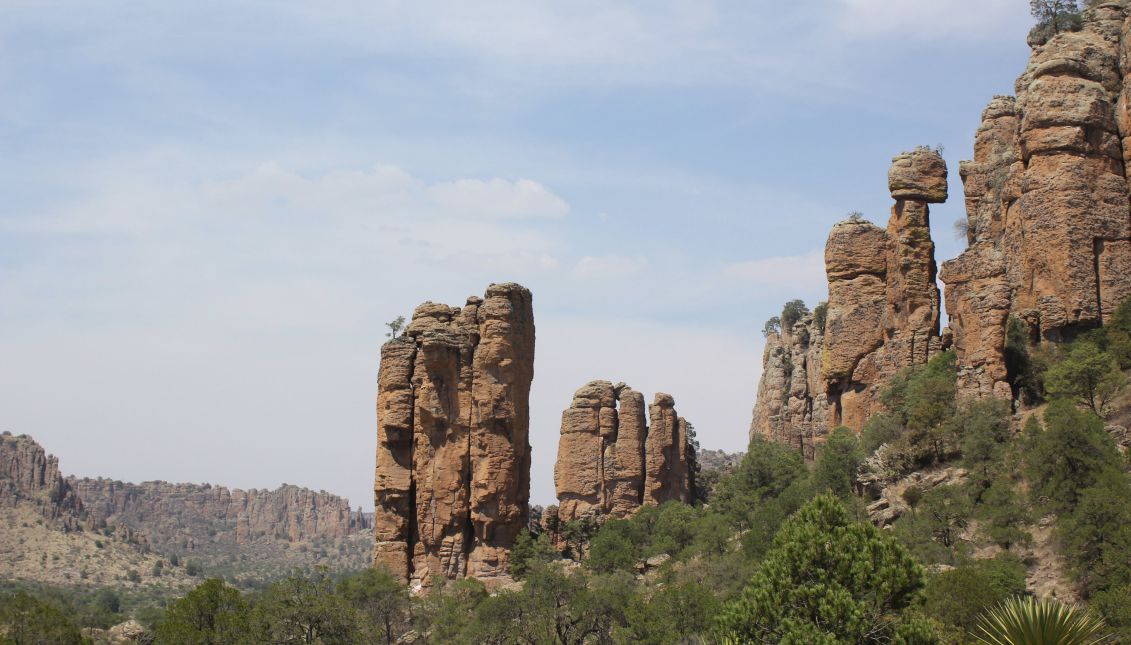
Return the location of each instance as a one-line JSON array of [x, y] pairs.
[[452, 481], [882, 315]]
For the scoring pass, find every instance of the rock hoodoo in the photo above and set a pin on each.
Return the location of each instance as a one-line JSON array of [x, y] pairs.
[[452, 481], [610, 462], [882, 315], [1048, 216]]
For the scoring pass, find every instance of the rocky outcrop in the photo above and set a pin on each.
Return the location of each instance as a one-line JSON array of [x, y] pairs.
[[610, 462], [171, 518], [883, 312], [29, 474], [1048, 216], [882, 316], [792, 406], [170, 515], [452, 480]]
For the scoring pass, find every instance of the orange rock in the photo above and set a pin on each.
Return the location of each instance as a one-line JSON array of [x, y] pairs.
[[452, 481]]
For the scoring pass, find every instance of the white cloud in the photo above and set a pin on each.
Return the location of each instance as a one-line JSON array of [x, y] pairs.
[[497, 198], [609, 266], [799, 272], [931, 19]]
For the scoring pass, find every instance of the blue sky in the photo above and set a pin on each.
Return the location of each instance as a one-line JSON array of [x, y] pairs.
[[211, 208]]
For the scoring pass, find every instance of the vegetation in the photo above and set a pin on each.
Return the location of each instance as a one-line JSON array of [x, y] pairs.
[[774, 550], [1024, 621], [1053, 17], [821, 583], [395, 326]]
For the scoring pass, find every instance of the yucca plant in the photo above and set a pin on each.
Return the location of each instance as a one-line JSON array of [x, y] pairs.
[[1028, 621]]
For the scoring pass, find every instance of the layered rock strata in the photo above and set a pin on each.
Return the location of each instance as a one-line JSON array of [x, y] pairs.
[[882, 316], [1048, 216], [611, 460], [452, 480]]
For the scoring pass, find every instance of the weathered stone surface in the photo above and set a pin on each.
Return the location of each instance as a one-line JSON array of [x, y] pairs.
[[1049, 220], [792, 406], [166, 513], [452, 481], [610, 462], [28, 473], [918, 175], [882, 316]]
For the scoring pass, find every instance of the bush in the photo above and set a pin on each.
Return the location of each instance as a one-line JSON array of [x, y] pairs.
[[957, 597]]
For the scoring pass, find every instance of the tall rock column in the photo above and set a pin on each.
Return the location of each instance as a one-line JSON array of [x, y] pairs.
[[610, 462], [452, 481], [1047, 205]]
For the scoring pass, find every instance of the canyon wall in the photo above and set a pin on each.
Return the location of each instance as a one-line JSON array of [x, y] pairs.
[[168, 517], [611, 461], [882, 315], [452, 481], [1048, 216]]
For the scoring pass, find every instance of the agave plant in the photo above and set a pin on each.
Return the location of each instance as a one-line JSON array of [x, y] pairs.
[[1028, 621]]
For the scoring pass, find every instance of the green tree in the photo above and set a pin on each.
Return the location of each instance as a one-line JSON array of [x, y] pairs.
[[380, 597], [26, 620], [395, 326], [529, 551], [828, 579], [821, 315], [1119, 334], [211, 614], [306, 610], [671, 614], [1086, 375], [958, 596], [1097, 534], [443, 614], [792, 312], [772, 326], [1070, 455], [837, 463]]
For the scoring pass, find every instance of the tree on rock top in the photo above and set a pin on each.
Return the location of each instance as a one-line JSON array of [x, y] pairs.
[[829, 579]]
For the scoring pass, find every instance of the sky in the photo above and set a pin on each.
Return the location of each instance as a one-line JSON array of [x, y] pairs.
[[210, 209]]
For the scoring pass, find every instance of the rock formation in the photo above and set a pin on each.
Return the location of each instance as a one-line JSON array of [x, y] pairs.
[[882, 315], [452, 480], [1048, 216], [792, 405], [172, 518], [610, 462], [28, 473], [168, 514]]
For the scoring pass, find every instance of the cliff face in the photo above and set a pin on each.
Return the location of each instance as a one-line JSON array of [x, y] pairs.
[[610, 462], [452, 482], [882, 316], [1049, 222], [171, 515], [208, 523], [29, 474]]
